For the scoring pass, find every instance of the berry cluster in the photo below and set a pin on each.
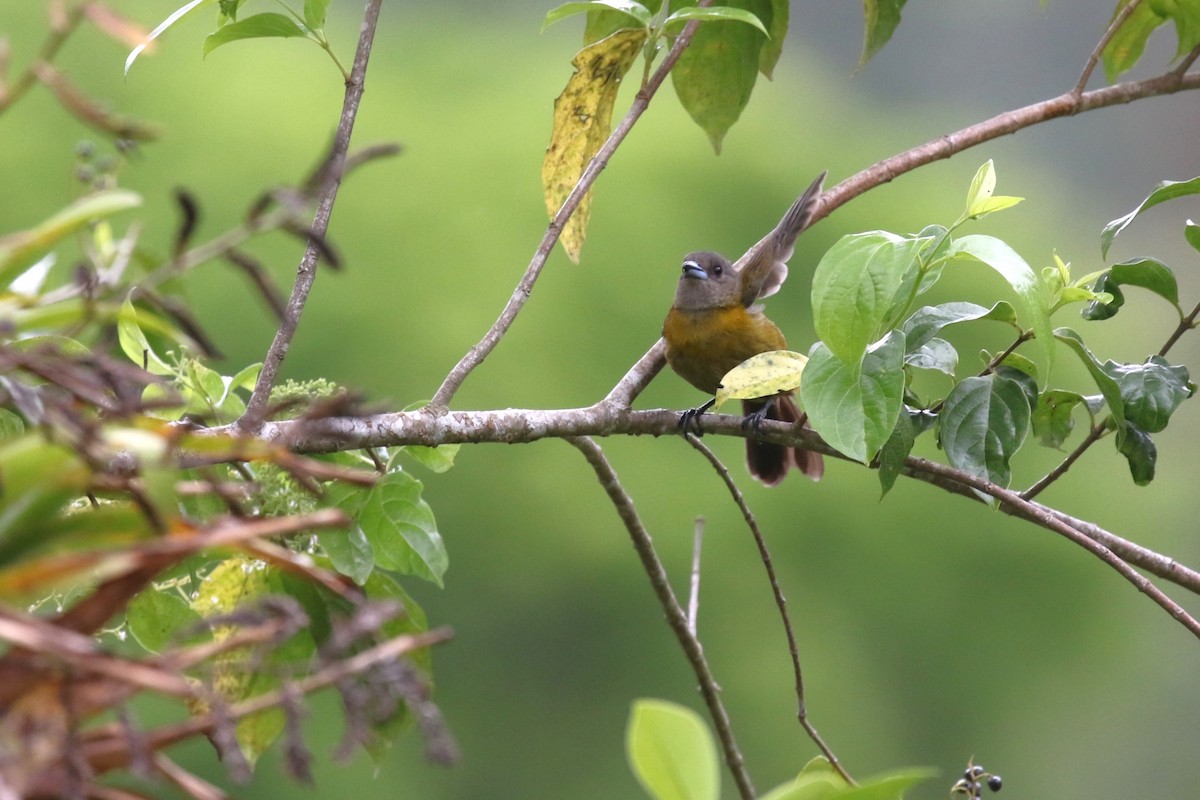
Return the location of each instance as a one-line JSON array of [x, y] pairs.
[[973, 780]]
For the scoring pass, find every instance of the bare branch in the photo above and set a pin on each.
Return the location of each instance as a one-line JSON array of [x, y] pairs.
[[475, 356], [1094, 58], [666, 598], [306, 274], [1009, 122], [780, 603], [694, 588]]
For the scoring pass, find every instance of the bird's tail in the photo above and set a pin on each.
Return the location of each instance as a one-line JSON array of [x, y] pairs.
[[769, 462]]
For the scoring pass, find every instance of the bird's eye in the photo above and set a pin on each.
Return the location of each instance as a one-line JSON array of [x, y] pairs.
[[717, 270]]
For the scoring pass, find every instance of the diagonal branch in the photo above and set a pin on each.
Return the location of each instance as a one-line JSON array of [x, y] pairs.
[[306, 273], [475, 356], [666, 598]]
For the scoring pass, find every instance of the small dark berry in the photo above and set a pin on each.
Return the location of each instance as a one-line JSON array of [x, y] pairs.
[[972, 772], [85, 149], [995, 783]]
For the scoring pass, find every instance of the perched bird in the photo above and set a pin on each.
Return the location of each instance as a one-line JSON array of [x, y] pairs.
[[714, 325]]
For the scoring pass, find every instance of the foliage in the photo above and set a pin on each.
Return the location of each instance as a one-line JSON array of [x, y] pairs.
[[253, 558]]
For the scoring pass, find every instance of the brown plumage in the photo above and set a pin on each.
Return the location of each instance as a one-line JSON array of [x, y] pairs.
[[714, 325]]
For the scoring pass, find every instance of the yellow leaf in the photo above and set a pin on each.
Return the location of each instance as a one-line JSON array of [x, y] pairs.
[[582, 122], [763, 375]]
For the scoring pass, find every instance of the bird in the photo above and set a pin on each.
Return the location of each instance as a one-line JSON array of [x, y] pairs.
[[715, 323]]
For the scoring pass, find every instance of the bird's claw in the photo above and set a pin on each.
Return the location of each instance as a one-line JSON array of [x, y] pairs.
[[689, 420], [754, 420]]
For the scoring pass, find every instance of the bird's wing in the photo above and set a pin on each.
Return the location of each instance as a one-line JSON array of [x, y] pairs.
[[763, 268]]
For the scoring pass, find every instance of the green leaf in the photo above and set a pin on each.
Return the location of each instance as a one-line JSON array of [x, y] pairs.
[[157, 617], [936, 354], [717, 14], [1129, 42], [1167, 190], [1052, 418], [1141, 453], [1191, 232], [819, 781], [894, 451], [401, 528], [672, 752], [175, 16], [881, 18], [314, 13], [1031, 293], [1104, 382], [349, 551], [927, 321], [435, 459], [763, 375], [983, 423], [134, 343], [19, 250], [715, 75], [1146, 273], [768, 57], [603, 22], [854, 407], [259, 26], [980, 201], [1151, 391], [626, 8], [855, 286]]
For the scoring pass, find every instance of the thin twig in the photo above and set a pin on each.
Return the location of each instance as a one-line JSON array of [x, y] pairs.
[[1094, 58], [1094, 435], [694, 590], [54, 42], [306, 274], [1186, 324], [780, 603], [1052, 522], [666, 598], [475, 356]]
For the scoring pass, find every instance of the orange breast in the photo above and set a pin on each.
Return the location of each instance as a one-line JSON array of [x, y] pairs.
[[702, 345]]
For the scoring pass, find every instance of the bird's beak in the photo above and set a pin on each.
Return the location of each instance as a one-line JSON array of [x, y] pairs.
[[693, 270]]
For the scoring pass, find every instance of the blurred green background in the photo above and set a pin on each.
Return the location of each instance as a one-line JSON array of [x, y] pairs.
[[930, 629]]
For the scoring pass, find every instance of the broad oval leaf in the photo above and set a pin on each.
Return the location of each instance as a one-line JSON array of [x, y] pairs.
[[855, 286], [1150, 391], [715, 75], [260, 26], [1031, 292], [854, 406], [1141, 453], [156, 618], [1104, 382], [401, 528], [881, 17], [718, 14], [672, 752], [762, 375], [984, 421], [314, 13], [894, 451], [936, 354], [1052, 418], [1147, 273]]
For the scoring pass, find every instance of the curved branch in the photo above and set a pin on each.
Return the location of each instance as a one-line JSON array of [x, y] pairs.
[[675, 615]]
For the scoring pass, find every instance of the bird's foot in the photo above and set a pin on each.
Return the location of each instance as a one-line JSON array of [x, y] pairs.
[[754, 420], [689, 421]]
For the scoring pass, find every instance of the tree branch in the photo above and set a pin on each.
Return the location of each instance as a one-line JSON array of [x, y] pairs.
[[475, 356], [306, 273], [1064, 105], [670, 605], [780, 603]]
